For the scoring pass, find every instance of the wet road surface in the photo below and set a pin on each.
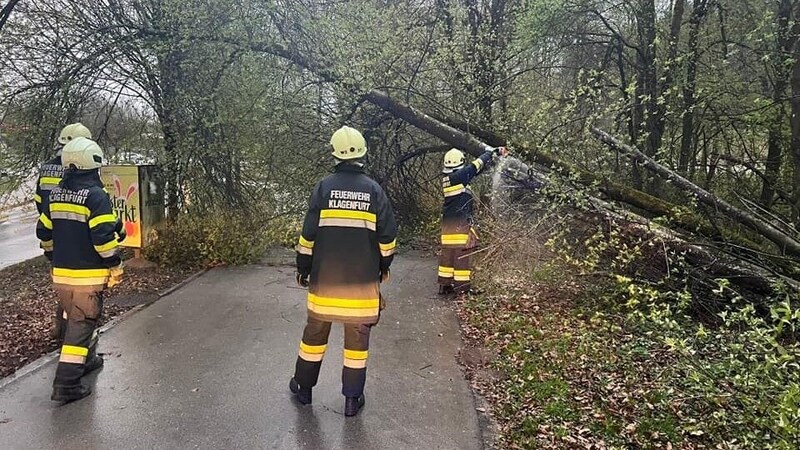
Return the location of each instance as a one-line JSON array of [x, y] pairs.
[[18, 236], [208, 367]]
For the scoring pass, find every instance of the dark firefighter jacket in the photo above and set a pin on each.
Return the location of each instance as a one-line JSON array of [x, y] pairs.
[[78, 226], [50, 174], [457, 212], [348, 239]]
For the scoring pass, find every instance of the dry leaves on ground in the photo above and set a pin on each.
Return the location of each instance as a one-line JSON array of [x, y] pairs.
[[27, 305]]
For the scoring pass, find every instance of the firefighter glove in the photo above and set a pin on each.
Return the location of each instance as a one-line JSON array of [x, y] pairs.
[[121, 234], [49, 256], [115, 276], [302, 280], [384, 276], [500, 151]]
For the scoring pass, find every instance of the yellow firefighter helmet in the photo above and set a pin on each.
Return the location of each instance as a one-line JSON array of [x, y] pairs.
[[72, 131], [348, 143], [82, 153], [454, 158]]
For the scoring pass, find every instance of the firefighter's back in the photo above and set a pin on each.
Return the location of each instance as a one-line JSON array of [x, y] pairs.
[[71, 210], [346, 252]]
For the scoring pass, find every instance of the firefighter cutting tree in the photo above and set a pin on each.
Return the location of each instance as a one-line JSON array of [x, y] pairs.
[[459, 238], [77, 229], [344, 253]]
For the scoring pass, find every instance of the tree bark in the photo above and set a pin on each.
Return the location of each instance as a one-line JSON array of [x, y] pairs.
[[795, 119], [648, 111], [775, 134], [795, 123], [689, 101], [786, 244]]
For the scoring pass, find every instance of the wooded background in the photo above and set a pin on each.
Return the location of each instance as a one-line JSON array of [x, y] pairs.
[[643, 275], [236, 99]]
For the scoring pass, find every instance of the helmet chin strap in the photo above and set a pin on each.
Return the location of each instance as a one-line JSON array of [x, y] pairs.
[[451, 169], [354, 162]]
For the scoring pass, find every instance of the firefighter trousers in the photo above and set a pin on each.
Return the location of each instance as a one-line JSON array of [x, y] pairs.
[[83, 306], [454, 268], [59, 324], [312, 350]]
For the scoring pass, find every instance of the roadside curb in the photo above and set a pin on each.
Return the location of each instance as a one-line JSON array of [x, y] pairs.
[[180, 285], [46, 358]]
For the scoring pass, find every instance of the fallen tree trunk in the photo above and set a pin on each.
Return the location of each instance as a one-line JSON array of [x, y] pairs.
[[786, 244], [425, 122], [618, 192], [680, 218], [461, 134]]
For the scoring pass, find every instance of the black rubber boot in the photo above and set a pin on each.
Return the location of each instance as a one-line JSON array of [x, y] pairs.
[[352, 405], [303, 395], [445, 289], [69, 394], [94, 363]]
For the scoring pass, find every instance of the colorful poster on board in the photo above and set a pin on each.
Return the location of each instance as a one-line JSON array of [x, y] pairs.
[[122, 185]]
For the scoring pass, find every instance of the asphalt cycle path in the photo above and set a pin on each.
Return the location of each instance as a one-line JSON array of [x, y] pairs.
[[208, 366]]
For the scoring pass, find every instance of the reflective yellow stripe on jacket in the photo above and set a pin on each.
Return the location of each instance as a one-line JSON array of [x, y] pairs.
[[454, 190], [80, 277], [343, 307], [304, 246], [108, 249], [48, 183], [101, 219], [347, 218], [388, 249], [69, 211], [46, 222]]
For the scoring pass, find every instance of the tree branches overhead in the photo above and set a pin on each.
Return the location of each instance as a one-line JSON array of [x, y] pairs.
[[233, 92]]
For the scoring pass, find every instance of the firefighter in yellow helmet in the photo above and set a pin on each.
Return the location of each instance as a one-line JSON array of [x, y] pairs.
[[50, 174], [344, 253], [458, 237], [77, 229], [51, 171]]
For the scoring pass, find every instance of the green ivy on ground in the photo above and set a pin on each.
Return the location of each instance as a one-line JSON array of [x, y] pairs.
[[587, 359]]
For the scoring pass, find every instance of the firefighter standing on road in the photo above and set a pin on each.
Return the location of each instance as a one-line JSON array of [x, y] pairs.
[[344, 253], [50, 174], [77, 229], [458, 237]]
